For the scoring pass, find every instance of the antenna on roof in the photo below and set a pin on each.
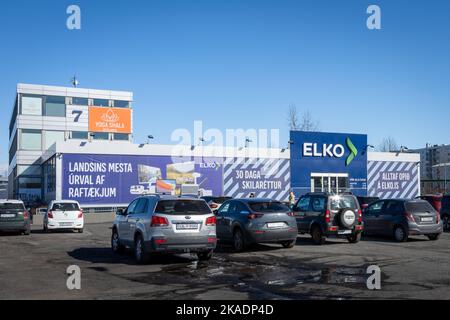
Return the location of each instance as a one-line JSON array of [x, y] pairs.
[[74, 81]]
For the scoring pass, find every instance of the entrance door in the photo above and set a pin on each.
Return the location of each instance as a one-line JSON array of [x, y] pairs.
[[329, 182]]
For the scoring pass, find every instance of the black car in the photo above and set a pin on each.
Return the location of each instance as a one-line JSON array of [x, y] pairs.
[[253, 220], [401, 218], [445, 211], [325, 214], [365, 201]]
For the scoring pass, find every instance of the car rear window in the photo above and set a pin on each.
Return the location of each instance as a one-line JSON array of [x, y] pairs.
[[272, 206], [220, 200], [11, 206], [181, 207], [65, 207], [419, 207], [367, 200], [341, 202]]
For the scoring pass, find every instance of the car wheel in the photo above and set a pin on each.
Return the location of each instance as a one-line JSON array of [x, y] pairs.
[[140, 255], [317, 235], [354, 238], [80, 230], [289, 244], [238, 240], [205, 256], [445, 222], [27, 231], [115, 243], [400, 234], [434, 237]]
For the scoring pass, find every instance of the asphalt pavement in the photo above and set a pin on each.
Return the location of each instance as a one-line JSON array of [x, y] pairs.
[[35, 266]]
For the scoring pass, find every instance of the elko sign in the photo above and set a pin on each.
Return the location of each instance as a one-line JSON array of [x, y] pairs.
[[328, 150], [328, 154]]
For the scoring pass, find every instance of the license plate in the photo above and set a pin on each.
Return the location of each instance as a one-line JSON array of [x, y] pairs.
[[65, 224], [276, 225], [187, 226], [427, 219], [344, 231], [7, 215]]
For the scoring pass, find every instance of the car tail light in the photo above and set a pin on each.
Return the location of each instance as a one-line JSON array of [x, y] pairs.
[[212, 240], [26, 215], [211, 221], [290, 214], [159, 222], [327, 216], [80, 214], [409, 217], [50, 214], [160, 241], [252, 216], [438, 217], [360, 216]]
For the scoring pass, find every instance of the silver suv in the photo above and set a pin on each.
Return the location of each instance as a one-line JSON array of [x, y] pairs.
[[165, 224]]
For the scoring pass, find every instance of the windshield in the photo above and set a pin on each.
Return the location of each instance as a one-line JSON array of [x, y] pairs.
[[65, 207], [419, 207], [271, 206], [11, 206], [182, 207], [341, 202]]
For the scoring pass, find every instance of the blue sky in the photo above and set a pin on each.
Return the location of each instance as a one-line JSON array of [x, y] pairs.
[[241, 63]]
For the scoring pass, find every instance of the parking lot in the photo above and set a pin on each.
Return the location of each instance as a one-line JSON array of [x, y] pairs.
[[34, 267]]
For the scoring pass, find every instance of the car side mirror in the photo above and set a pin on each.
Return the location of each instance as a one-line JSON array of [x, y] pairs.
[[120, 212]]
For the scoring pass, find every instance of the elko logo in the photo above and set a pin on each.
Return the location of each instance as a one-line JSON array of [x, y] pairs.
[[330, 150], [353, 152]]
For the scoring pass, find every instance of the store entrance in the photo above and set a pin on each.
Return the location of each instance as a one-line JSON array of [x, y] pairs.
[[329, 182]]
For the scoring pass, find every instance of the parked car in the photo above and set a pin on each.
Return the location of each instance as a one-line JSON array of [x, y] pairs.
[[324, 214], [215, 202], [64, 214], [434, 199], [165, 224], [41, 211], [249, 221], [445, 211], [401, 218], [14, 217], [365, 201]]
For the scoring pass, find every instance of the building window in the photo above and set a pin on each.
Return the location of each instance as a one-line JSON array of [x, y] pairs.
[[80, 135], [121, 104], [31, 139], [55, 106], [101, 102], [121, 136], [31, 105], [50, 175], [80, 101], [51, 137], [101, 136], [30, 170]]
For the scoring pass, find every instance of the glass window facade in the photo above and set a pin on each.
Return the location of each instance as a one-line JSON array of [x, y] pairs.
[[121, 136], [80, 101], [51, 137], [50, 175], [55, 106], [31, 139], [31, 105], [101, 102], [121, 104], [80, 135], [29, 170], [101, 136]]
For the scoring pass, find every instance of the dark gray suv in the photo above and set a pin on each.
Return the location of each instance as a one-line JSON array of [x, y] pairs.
[[324, 214], [248, 221]]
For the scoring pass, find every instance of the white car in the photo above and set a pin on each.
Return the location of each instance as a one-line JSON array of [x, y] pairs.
[[64, 214]]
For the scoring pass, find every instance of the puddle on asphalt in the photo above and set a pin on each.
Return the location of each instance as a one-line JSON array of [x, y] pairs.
[[245, 276]]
